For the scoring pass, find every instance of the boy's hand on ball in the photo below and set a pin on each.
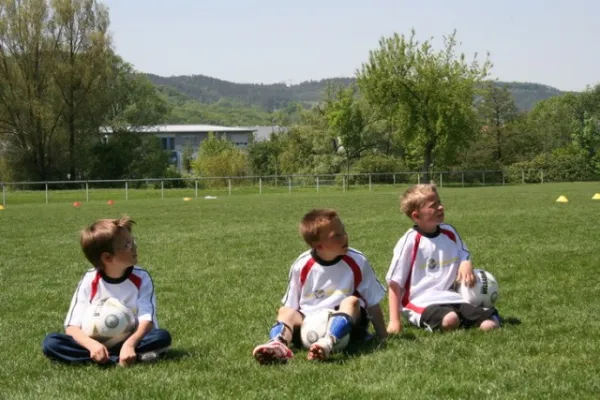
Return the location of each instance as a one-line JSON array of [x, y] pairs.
[[99, 353], [127, 355], [466, 276]]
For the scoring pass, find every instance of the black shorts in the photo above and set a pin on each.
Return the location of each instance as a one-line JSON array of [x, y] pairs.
[[469, 315], [358, 334]]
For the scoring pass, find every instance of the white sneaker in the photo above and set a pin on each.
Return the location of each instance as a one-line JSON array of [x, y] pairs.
[[321, 349], [273, 351], [151, 356]]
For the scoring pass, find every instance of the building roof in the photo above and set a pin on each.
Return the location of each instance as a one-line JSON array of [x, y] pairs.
[[186, 129]]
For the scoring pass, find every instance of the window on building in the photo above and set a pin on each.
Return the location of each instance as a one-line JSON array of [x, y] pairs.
[[168, 143]]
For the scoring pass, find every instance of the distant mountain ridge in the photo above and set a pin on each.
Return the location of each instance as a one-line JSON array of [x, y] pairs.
[[271, 97]]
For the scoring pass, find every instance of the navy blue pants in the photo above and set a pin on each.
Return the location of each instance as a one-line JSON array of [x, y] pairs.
[[62, 347]]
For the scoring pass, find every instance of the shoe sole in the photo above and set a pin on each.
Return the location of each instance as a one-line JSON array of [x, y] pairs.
[[269, 355]]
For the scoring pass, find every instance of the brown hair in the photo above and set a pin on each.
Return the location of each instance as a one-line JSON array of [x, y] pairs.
[[99, 238], [314, 221], [414, 197]]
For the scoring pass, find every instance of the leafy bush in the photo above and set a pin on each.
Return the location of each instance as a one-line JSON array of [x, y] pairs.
[[563, 164]]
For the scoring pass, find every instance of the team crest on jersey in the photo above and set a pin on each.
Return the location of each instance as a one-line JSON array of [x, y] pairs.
[[319, 294], [431, 264]]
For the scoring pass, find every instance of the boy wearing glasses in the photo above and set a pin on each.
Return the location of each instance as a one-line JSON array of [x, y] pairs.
[[109, 246]]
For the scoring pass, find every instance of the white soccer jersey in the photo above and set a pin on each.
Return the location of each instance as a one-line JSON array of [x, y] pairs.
[[315, 284], [425, 266], [135, 289]]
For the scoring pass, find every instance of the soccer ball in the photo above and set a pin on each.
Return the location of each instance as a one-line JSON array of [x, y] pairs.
[[108, 321], [315, 326], [485, 291]]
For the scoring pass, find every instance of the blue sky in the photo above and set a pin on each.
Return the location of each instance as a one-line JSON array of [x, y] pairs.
[[265, 41]]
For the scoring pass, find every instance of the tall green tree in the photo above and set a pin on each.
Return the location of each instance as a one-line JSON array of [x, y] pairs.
[[28, 122], [348, 124], [497, 110], [79, 31], [430, 94]]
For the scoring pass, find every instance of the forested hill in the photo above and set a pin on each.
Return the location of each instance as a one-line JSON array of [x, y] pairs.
[[270, 97]]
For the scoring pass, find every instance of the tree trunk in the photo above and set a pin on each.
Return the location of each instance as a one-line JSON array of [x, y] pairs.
[[72, 146], [427, 159]]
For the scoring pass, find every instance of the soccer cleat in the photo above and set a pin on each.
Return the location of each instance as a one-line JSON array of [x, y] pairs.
[[321, 349], [271, 352]]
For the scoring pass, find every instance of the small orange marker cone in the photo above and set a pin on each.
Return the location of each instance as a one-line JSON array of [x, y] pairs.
[[76, 204], [110, 202]]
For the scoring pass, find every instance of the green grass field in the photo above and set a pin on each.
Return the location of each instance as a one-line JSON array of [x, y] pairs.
[[220, 269]]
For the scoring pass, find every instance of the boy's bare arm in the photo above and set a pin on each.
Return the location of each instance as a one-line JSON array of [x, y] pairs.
[[394, 296]]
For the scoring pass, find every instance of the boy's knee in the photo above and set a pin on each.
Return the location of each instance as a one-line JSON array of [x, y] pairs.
[[351, 301], [164, 337], [451, 321], [51, 341], [488, 325]]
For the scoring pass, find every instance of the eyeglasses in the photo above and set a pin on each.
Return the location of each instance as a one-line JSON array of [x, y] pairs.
[[128, 246]]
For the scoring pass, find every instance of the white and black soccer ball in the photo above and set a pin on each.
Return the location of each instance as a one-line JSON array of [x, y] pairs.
[[315, 327], [485, 291], [108, 321]]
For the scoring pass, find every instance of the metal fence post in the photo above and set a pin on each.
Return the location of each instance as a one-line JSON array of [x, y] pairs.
[[418, 178], [462, 179], [126, 190], [370, 185], [3, 195], [541, 176], [229, 185], [196, 188], [441, 181], [260, 185], [317, 184], [162, 189], [394, 181], [46, 192], [343, 183], [289, 185]]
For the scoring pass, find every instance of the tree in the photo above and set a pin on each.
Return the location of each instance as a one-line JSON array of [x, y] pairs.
[[79, 31], [263, 155], [554, 122], [128, 155], [219, 157], [60, 82], [28, 122], [430, 94], [497, 111], [348, 124]]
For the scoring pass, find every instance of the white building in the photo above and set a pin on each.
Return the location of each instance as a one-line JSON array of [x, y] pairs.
[[175, 138]]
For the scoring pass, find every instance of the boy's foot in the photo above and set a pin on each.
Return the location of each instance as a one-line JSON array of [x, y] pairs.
[[151, 356], [321, 349], [273, 351]]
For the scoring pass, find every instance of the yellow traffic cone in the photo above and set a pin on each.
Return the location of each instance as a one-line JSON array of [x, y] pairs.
[[562, 199], [596, 196], [1, 207]]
